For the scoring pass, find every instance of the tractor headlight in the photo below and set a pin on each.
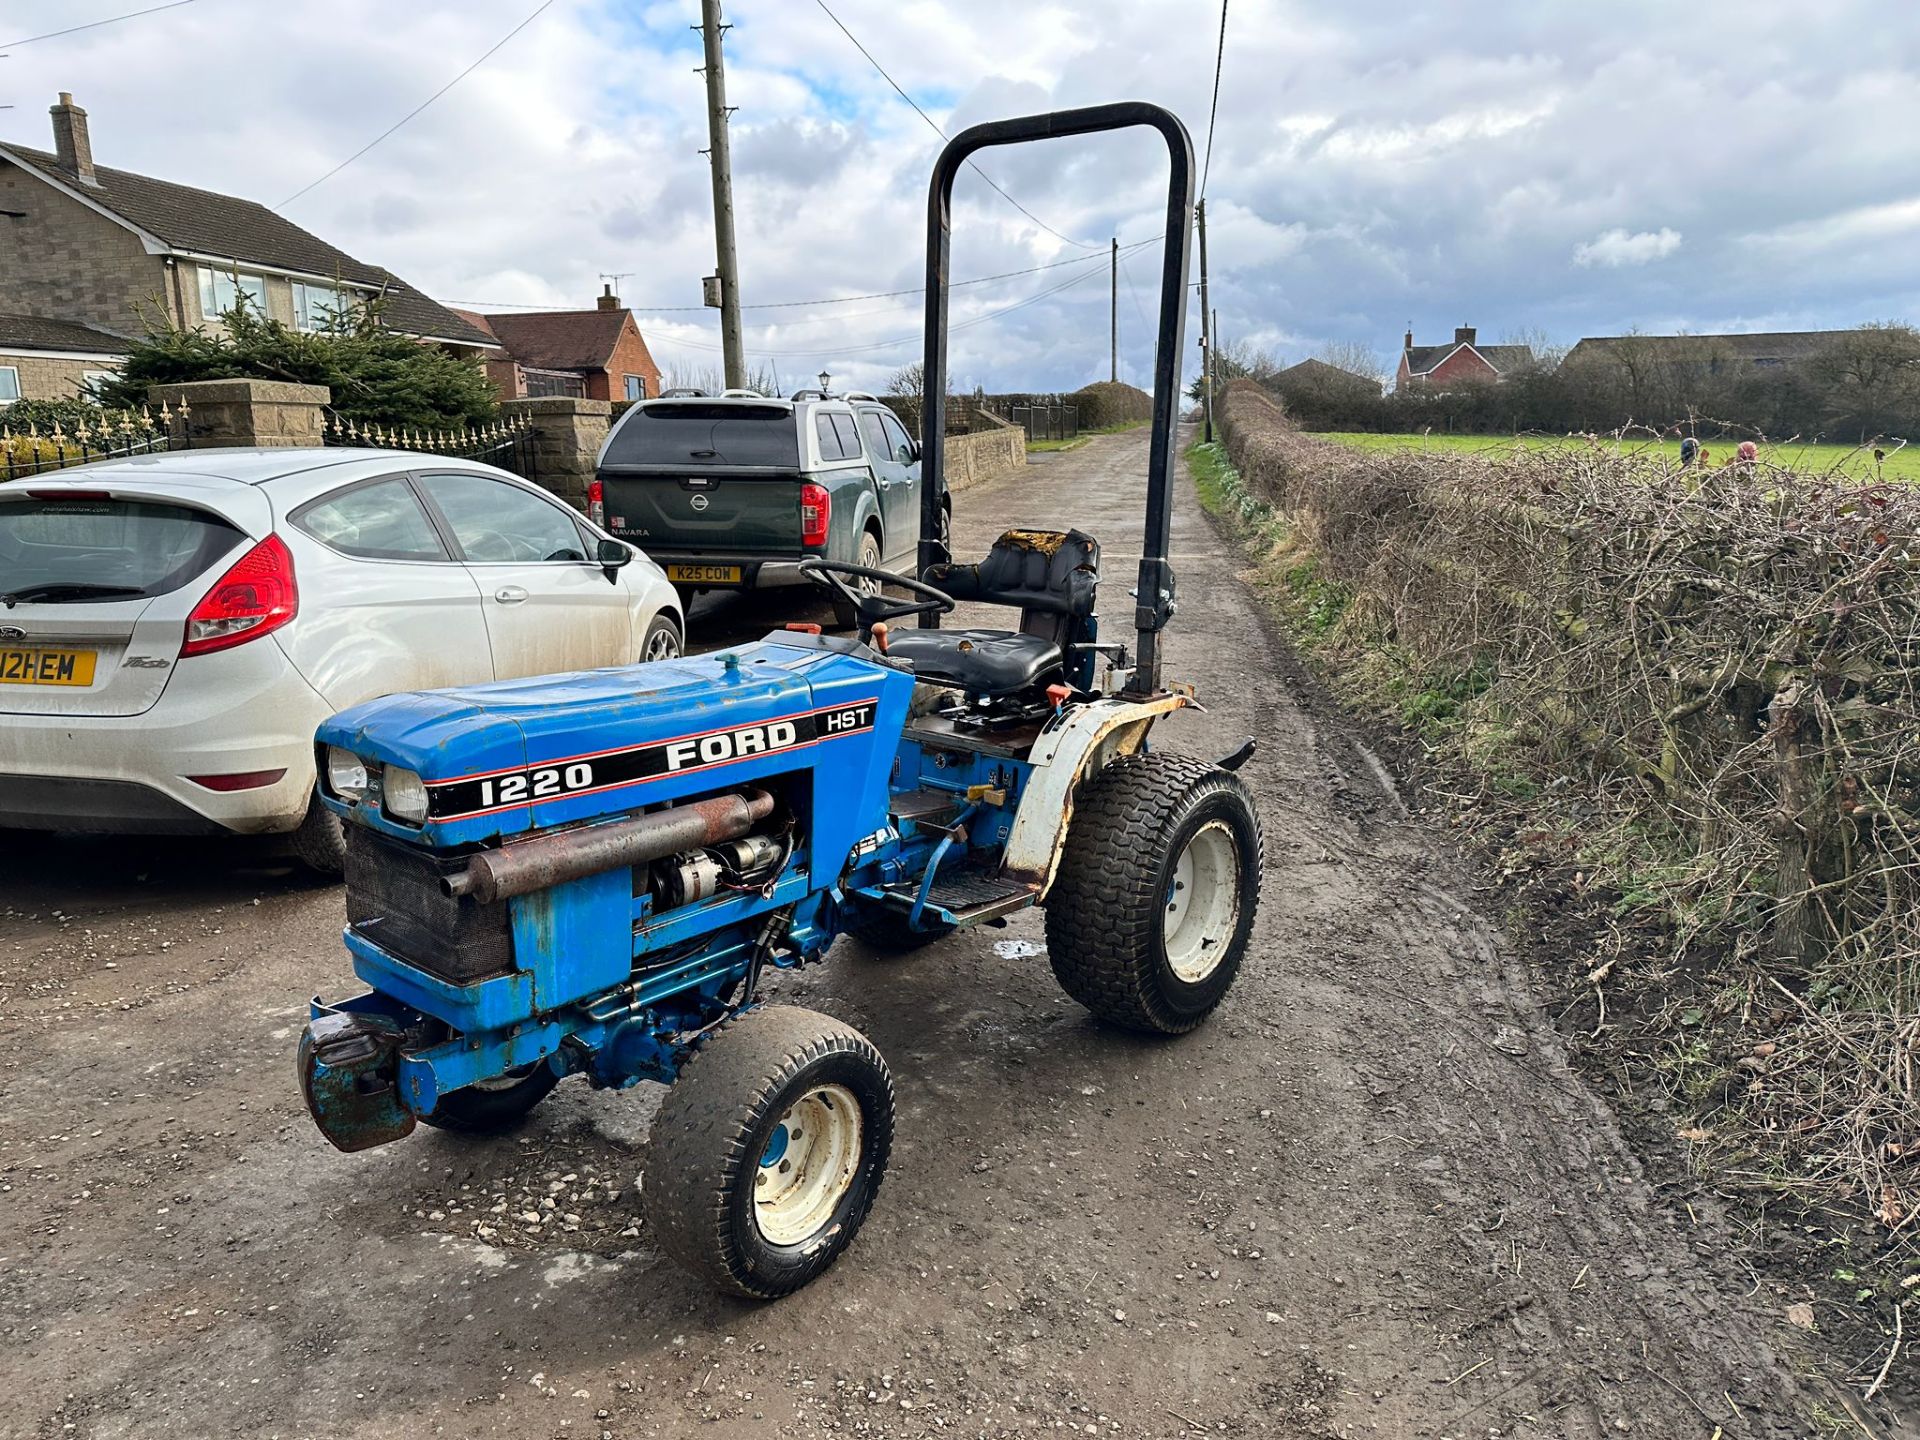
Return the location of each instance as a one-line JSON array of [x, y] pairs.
[[346, 774], [406, 795]]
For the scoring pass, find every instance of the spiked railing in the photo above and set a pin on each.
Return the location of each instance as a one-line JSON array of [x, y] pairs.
[[109, 435], [506, 442]]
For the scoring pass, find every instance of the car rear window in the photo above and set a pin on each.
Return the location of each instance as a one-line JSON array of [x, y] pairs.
[[683, 435], [84, 549]]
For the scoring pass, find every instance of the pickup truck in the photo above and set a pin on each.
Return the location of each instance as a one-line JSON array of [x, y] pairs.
[[733, 492]]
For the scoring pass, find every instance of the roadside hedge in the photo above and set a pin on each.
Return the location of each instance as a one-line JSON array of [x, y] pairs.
[[1704, 685]]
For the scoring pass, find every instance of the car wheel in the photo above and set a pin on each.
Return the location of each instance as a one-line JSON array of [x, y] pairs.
[[663, 640], [869, 557], [320, 843]]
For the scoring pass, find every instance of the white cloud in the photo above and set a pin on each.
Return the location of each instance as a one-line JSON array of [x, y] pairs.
[[1615, 248]]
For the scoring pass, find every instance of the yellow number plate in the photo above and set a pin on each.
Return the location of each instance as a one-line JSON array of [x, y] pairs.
[[46, 667], [704, 574]]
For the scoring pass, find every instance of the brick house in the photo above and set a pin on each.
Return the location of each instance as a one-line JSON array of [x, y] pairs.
[[1464, 362], [598, 353], [84, 244]]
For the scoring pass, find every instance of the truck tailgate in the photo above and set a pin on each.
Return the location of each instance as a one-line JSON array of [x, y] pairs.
[[731, 514]]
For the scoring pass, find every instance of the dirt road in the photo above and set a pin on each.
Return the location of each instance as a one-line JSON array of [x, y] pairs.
[[1368, 1199]]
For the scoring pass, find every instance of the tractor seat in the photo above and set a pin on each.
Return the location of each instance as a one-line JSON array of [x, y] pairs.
[[980, 662], [1049, 576]]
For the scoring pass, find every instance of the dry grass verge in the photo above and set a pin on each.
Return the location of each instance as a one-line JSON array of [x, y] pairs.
[[1696, 692]]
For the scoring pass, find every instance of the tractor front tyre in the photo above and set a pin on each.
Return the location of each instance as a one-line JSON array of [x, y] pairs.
[[1152, 908], [495, 1106], [768, 1151]]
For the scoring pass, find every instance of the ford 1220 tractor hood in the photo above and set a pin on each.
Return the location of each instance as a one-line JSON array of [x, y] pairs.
[[518, 755]]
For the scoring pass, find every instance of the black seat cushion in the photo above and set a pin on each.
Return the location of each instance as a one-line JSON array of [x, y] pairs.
[[981, 662], [1042, 572]]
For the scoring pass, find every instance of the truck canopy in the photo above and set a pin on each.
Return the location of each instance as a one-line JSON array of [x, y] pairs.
[[683, 434]]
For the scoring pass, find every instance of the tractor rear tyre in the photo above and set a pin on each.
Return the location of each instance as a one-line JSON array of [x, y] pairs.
[[496, 1106], [1150, 914], [767, 1152]]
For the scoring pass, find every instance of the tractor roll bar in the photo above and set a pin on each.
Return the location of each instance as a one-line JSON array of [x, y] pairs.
[[1155, 594]]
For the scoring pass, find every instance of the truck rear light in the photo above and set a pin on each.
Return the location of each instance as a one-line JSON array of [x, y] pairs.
[[816, 514], [597, 503], [255, 597], [239, 780]]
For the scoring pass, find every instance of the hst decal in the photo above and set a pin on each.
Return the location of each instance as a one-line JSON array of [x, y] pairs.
[[610, 769]]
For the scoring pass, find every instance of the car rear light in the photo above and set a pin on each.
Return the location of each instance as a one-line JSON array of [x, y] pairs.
[[597, 503], [816, 514], [256, 596], [240, 780]]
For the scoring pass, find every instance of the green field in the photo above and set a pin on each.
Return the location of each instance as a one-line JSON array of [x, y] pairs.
[[1903, 464]]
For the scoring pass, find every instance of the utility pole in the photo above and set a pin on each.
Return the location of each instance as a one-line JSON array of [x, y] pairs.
[[1206, 328], [720, 156], [1114, 311]]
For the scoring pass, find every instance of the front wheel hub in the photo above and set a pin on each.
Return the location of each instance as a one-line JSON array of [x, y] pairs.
[[808, 1165]]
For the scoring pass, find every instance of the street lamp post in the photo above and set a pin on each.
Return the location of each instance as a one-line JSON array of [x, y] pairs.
[[824, 378]]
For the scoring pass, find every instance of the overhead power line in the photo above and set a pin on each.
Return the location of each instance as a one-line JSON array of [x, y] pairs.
[[829, 300], [538, 10], [95, 24], [1084, 245], [1213, 110]]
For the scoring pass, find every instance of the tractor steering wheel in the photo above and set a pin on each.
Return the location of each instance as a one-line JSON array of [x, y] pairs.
[[874, 608]]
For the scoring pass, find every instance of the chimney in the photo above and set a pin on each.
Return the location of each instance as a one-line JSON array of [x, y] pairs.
[[1409, 337], [608, 300], [1463, 335], [70, 143]]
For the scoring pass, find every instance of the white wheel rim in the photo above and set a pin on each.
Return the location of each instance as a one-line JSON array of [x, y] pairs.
[[808, 1165], [1202, 904], [662, 646]]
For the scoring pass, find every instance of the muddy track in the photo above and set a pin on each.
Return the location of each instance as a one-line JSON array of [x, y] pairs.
[[1368, 1198]]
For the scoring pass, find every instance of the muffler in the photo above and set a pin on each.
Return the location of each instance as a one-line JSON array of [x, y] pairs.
[[524, 866]]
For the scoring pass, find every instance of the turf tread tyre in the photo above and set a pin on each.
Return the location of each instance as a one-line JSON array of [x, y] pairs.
[[473, 1111], [320, 842], [1104, 911], [705, 1145]]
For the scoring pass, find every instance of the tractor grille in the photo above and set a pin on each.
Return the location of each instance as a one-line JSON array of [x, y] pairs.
[[394, 899]]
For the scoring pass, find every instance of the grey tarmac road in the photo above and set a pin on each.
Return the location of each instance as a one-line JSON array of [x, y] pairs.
[[1368, 1198]]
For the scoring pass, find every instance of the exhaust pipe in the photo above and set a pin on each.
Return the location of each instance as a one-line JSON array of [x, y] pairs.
[[523, 866]]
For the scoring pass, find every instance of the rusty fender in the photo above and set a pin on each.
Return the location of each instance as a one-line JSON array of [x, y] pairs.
[[544, 861]]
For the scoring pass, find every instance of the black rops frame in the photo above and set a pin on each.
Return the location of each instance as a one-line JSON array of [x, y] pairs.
[[1155, 595]]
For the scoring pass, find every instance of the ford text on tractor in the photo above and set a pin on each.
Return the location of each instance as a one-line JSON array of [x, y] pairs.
[[590, 874]]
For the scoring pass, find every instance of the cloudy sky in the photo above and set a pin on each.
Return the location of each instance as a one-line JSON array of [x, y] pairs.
[[1540, 167]]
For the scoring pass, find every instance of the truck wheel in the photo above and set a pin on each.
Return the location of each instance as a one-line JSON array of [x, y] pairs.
[[888, 931], [320, 843], [1151, 911], [768, 1151], [495, 1106], [869, 556]]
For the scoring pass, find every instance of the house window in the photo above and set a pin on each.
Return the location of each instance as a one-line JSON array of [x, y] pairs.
[[9, 384], [636, 387], [320, 307], [92, 380], [221, 290]]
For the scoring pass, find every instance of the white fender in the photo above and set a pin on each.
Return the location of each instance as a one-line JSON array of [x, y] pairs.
[[1084, 741]]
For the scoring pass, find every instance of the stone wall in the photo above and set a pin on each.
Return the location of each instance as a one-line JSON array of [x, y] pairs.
[[247, 412], [970, 459], [566, 437]]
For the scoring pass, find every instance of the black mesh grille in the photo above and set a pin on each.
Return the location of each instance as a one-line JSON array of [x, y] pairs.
[[394, 899]]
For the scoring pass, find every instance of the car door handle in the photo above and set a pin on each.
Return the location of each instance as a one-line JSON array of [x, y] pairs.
[[510, 594]]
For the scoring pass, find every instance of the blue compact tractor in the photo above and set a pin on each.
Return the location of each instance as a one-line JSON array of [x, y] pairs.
[[589, 874]]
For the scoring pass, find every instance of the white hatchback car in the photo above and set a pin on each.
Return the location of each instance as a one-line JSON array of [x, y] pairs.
[[173, 627]]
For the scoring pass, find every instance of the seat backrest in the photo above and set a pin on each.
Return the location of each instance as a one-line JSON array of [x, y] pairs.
[[1050, 575]]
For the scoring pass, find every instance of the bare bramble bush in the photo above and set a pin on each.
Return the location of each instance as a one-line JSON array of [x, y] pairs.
[[1707, 682]]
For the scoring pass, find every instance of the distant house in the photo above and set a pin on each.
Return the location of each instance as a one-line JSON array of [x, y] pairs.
[[1714, 353], [54, 359], [87, 245], [1319, 375], [599, 353], [1464, 362]]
